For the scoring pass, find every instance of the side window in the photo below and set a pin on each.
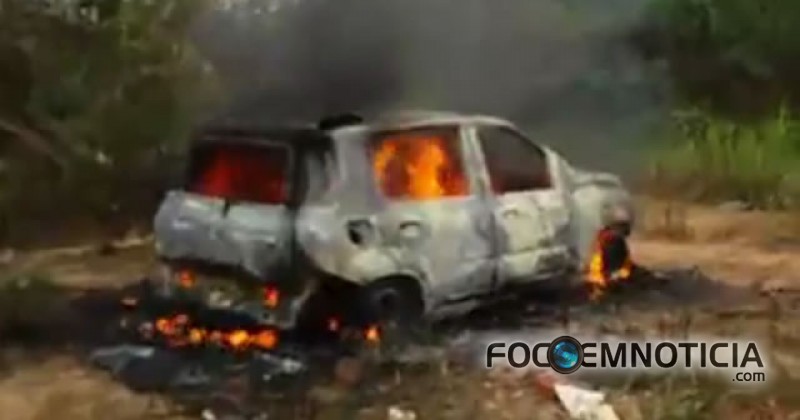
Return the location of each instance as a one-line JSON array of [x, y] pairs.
[[241, 172], [419, 164], [514, 163]]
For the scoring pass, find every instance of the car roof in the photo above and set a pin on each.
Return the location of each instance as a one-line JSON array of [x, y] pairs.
[[248, 132], [399, 120], [309, 134]]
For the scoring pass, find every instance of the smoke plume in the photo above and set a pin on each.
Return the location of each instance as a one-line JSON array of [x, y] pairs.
[[563, 69]]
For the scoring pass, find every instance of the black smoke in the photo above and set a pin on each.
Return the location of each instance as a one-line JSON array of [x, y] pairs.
[[564, 69]]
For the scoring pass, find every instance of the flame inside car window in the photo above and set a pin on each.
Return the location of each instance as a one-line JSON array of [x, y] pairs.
[[419, 164], [242, 173]]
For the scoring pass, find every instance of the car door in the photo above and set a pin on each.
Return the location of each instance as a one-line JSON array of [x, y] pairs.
[[529, 211], [431, 208]]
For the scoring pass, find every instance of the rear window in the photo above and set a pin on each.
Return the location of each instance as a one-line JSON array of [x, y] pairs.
[[419, 164], [254, 173]]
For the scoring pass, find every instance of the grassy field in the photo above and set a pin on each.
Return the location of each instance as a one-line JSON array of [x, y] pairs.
[[709, 158]]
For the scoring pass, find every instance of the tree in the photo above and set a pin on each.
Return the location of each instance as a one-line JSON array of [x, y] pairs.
[[736, 56], [92, 93]]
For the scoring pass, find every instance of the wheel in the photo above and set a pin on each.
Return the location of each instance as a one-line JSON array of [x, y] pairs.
[[394, 305], [616, 254]]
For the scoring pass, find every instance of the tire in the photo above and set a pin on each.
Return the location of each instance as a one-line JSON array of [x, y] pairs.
[[622, 228], [615, 251], [395, 305]]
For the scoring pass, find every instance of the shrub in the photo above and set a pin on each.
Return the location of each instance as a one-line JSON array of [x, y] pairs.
[[714, 158], [737, 56]]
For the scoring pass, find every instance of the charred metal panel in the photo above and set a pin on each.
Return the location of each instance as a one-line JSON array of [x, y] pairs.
[[254, 237], [320, 234], [447, 242], [529, 225], [446, 246]]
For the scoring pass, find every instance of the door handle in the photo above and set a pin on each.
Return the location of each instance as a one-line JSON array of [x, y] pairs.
[[411, 230], [511, 212]]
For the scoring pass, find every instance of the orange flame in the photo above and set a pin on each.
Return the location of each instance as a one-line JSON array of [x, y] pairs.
[[372, 335], [265, 340], [238, 339], [271, 297], [418, 166], [186, 279], [197, 336], [598, 277], [178, 333], [231, 169], [333, 325]]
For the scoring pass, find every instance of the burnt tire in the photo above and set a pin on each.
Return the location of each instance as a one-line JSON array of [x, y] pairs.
[[615, 250], [394, 304]]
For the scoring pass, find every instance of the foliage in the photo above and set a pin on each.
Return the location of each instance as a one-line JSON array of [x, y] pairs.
[[716, 158], [733, 63], [93, 95], [736, 56], [96, 95]]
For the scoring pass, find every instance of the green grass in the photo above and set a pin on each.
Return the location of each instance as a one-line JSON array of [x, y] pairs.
[[711, 158]]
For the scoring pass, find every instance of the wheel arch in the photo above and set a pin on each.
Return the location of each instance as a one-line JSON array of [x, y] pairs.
[[393, 297], [597, 206], [406, 281]]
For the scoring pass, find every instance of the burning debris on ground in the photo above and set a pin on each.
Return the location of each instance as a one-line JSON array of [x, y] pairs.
[[216, 367]]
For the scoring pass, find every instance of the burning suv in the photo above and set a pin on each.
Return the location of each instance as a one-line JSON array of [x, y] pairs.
[[407, 216]]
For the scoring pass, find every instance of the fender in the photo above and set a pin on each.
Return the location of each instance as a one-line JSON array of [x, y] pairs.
[[600, 200], [372, 264]]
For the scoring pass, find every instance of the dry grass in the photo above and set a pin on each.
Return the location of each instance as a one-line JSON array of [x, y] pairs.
[[680, 221], [457, 394], [664, 220], [60, 388], [741, 247]]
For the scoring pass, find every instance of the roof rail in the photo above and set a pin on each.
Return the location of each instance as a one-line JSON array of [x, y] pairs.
[[333, 122]]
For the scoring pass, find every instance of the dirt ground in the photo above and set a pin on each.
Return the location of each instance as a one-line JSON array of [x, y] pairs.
[[750, 250]]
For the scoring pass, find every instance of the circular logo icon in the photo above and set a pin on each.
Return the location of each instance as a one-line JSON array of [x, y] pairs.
[[565, 355]]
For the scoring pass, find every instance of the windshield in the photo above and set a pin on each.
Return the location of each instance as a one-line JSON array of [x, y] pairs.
[[241, 172]]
